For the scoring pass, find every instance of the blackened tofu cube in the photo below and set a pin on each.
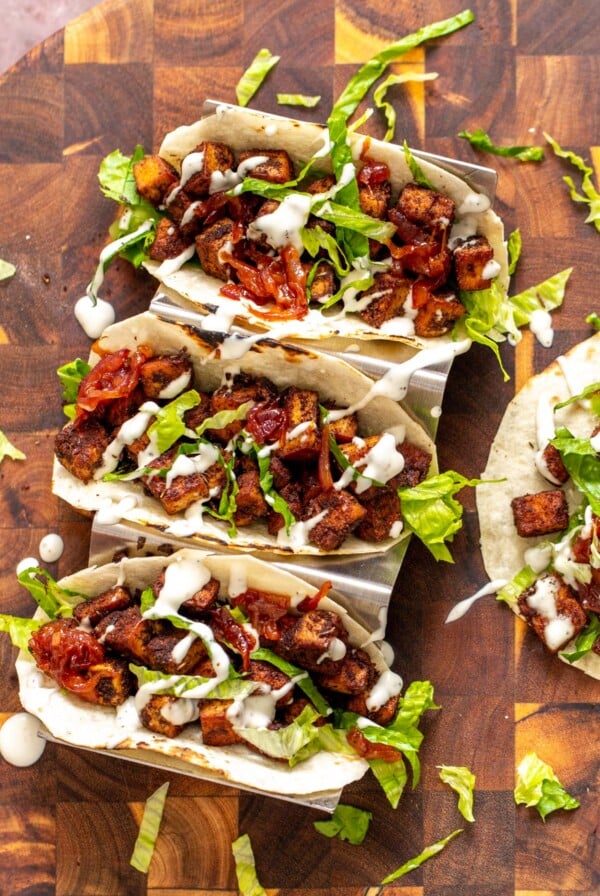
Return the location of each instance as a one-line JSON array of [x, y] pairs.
[[273, 679], [384, 715], [169, 241], [553, 463], [80, 447], [244, 388], [353, 674], [383, 515], [250, 500], [154, 177], [321, 184], [217, 729], [209, 159], [344, 429], [196, 605], [417, 462], [113, 683], [374, 199], [277, 166], [156, 715], [388, 296], [343, 513], [126, 632], [162, 371], [323, 284], [541, 513], [438, 316], [312, 638], [210, 244], [471, 259], [426, 208], [303, 438], [165, 654], [551, 608], [181, 491], [91, 611]]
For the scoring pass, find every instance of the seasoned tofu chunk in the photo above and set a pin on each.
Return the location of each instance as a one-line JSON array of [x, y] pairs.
[[303, 438], [388, 297], [196, 605], [343, 429], [156, 715], [162, 373], [165, 653], [208, 161], [91, 611], [383, 516], [342, 514], [384, 715], [471, 259], [169, 241], [154, 177], [313, 639], [273, 680], [353, 674], [438, 315], [217, 729], [375, 198], [426, 208], [554, 465], [250, 501], [80, 447], [177, 494], [209, 245], [323, 285], [243, 388], [552, 610], [112, 682], [127, 633], [541, 513], [277, 167]]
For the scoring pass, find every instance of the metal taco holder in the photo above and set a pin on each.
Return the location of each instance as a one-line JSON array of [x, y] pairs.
[[361, 583]]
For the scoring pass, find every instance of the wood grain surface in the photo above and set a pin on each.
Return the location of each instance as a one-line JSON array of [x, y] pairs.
[[125, 73]]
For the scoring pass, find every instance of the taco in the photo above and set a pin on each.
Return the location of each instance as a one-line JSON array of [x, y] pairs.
[[540, 525], [241, 212], [281, 449], [222, 662]]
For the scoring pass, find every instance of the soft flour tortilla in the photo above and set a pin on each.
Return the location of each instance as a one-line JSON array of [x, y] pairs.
[[285, 366], [245, 129], [82, 724], [512, 458]]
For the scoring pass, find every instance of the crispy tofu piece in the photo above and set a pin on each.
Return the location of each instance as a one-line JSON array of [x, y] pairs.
[[554, 464], [541, 513], [273, 679], [182, 491], [470, 260], [344, 429], [127, 633], [417, 462], [209, 244], [553, 611], [112, 683], [353, 674], [121, 409], [79, 447], [154, 177], [216, 157], [94, 609], [217, 730], [374, 199], [154, 715], [343, 513], [196, 416], [383, 514], [303, 438], [323, 285], [243, 388], [169, 241], [388, 296], [250, 500], [157, 374], [196, 605], [311, 639], [438, 315], [426, 208], [278, 167], [161, 653], [321, 184], [382, 716]]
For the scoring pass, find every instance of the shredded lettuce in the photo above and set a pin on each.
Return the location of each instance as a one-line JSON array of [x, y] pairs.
[[7, 270], [254, 76], [225, 418], [594, 320], [427, 853], [284, 743], [581, 460], [462, 780], [381, 90], [481, 141], [392, 777], [304, 681], [514, 247], [418, 175], [431, 511], [19, 630], [245, 867], [116, 176], [70, 376], [347, 822], [520, 582], [7, 449], [169, 425], [149, 828], [589, 195], [537, 785], [298, 99], [54, 601], [584, 641], [232, 688]]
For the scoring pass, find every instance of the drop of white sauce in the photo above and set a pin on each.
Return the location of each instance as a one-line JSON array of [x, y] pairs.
[[51, 547], [27, 563], [94, 319], [20, 743]]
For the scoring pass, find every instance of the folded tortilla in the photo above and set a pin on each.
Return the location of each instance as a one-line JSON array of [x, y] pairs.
[[512, 460], [82, 724], [244, 129], [335, 381]]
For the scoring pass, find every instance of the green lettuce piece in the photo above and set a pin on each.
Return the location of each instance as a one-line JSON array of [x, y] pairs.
[[225, 418], [70, 376], [585, 640], [591, 394], [462, 780], [169, 425], [55, 601], [228, 500], [392, 777], [427, 853], [245, 867], [418, 175], [545, 296], [116, 176], [254, 76], [7, 449], [354, 220], [431, 511], [347, 822], [514, 247], [594, 320], [481, 141], [273, 498], [314, 239], [284, 743], [7, 270], [537, 785], [305, 682], [179, 685], [149, 828], [297, 99], [581, 460], [590, 195], [329, 739], [19, 630], [391, 81], [520, 582]]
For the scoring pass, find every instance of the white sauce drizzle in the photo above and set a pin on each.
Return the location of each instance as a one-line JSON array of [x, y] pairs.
[[282, 226], [176, 386], [463, 606], [93, 318], [557, 629], [540, 325], [388, 685], [20, 742], [27, 563]]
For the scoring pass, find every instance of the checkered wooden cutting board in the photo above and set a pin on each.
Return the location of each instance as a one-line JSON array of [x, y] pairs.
[[125, 73]]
